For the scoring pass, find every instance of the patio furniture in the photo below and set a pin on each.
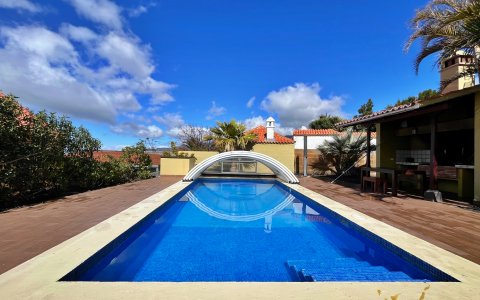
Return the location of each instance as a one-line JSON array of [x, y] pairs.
[[365, 172], [414, 180], [375, 182]]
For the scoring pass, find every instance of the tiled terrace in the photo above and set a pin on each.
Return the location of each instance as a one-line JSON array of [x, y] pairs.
[[28, 231], [448, 226]]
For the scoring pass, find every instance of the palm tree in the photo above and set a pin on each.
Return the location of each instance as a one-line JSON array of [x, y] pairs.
[[343, 151], [444, 27], [229, 136]]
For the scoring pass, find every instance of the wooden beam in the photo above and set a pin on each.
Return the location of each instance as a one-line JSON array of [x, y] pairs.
[[369, 147], [305, 155], [456, 125], [433, 158]]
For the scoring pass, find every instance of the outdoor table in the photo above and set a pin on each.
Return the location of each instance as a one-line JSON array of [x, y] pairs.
[[393, 172]]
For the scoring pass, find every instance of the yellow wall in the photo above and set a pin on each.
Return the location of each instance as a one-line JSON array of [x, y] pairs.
[[388, 142], [176, 166], [477, 150], [284, 153], [461, 83], [200, 155]]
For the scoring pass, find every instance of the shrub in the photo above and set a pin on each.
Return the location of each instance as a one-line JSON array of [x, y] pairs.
[[43, 155]]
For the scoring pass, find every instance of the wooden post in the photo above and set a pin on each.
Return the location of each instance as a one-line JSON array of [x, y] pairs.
[[369, 147], [433, 159], [305, 155]]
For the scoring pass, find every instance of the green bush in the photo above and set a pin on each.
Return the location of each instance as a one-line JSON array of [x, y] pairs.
[[43, 155]]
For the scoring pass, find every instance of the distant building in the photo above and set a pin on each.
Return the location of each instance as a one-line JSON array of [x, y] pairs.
[[452, 67], [433, 145], [273, 144], [315, 138]]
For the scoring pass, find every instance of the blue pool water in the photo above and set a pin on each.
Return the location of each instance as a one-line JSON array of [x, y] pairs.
[[249, 230]]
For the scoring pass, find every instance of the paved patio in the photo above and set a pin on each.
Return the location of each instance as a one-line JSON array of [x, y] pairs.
[[28, 231], [448, 226]]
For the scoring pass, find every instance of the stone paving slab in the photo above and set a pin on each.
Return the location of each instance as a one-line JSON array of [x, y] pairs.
[[28, 231]]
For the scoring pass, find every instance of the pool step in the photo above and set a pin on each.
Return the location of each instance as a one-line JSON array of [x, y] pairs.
[[343, 269]]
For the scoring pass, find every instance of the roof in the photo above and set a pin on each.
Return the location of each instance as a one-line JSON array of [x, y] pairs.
[[315, 132], [376, 115], [104, 155], [400, 109], [327, 132], [261, 133]]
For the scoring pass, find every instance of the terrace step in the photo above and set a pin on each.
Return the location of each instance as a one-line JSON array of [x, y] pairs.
[[343, 269]]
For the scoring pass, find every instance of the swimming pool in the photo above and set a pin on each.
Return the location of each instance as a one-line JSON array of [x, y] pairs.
[[249, 230]]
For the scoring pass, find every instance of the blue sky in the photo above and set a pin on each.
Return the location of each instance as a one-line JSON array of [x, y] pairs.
[[135, 69]]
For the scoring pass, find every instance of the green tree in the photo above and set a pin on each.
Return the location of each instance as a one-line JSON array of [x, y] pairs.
[[343, 150], [137, 161], [325, 121], [40, 154], [365, 109], [229, 136], [44, 155], [444, 27], [423, 95], [427, 94]]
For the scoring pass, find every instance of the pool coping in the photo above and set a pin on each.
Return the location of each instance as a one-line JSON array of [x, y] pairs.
[[38, 277]]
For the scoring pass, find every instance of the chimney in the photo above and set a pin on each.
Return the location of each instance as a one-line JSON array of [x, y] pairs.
[[453, 66], [270, 128]]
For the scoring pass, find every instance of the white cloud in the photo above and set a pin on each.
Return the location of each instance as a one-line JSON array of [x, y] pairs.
[[215, 111], [170, 120], [173, 121], [135, 12], [101, 11], [174, 132], [299, 104], [35, 65], [126, 54], [20, 4], [141, 9], [138, 130], [254, 122], [78, 34], [250, 102], [45, 68], [153, 109]]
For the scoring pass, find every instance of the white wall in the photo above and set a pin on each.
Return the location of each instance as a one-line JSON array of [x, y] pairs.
[[313, 141]]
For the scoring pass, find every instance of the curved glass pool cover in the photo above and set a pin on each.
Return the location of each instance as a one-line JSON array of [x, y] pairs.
[[249, 230]]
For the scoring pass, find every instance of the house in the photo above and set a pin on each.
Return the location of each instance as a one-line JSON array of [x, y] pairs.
[[307, 142], [273, 144], [432, 146]]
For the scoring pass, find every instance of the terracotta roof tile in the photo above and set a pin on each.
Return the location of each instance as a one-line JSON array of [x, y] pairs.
[[324, 132], [315, 132], [261, 133], [395, 109]]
